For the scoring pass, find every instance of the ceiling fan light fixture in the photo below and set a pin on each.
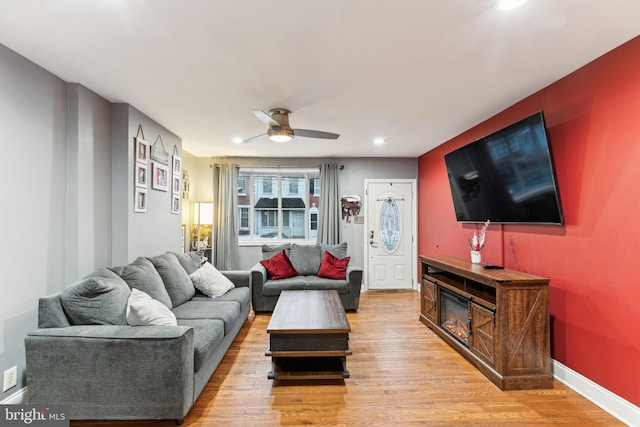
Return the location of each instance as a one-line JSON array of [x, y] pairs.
[[280, 138], [280, 134]]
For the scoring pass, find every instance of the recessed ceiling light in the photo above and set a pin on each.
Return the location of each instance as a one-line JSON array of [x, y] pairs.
[[510, 4], [379, 141], [237, 140]]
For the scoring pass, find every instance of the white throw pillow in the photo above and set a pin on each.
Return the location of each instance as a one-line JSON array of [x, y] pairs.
[[142, 310], [208, 280]]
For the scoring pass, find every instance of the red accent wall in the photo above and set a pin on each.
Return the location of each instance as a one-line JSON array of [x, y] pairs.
[[593, 261]]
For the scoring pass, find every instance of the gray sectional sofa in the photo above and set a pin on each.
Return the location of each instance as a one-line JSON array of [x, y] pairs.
[[306, 260], [86, 356]]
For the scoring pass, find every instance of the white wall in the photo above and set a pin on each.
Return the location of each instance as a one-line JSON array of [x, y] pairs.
[[64, 210], [33, 129], [157, 230], [88, 183]]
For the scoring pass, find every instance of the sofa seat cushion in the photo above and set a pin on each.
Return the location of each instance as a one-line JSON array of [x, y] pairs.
[[227, 311], [142, 275], [274, 287], [97, 299], [240, 295], [207, 334], [320, 283], [175, 278]]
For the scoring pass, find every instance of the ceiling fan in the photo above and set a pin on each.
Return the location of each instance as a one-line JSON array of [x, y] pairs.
[[280, 130]]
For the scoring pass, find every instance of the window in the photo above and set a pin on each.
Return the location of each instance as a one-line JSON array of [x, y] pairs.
[[242, 185], [314, 184], [244, 217], [278, 204], [267, 184], [293, 186]]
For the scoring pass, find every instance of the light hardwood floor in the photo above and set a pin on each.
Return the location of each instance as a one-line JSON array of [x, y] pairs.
[[401, 374]]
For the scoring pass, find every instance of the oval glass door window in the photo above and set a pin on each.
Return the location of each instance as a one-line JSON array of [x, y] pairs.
[[390, 225]]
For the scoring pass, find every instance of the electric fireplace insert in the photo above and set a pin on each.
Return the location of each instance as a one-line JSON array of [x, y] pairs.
[[454, 315]]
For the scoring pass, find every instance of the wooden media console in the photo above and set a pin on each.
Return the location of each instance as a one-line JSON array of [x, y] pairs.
[[498, 319]]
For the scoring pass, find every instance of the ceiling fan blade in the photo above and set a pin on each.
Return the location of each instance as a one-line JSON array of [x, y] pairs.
[[253, 138], [315, 134], [264, 117]]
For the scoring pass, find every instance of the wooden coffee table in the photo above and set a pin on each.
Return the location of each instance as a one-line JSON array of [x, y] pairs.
[[308, 336]]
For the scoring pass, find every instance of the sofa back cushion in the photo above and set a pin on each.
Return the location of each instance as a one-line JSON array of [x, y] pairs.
[[338, 251], [268, 251], [191, 261], [175, 278], [305, 258], [142, 275], [97, 299]]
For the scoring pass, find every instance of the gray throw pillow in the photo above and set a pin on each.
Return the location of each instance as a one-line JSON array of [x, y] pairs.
[[191, 261], [269, 251], [142, 275], [97, 299], [338, 251], [175, 278], [305, 259]]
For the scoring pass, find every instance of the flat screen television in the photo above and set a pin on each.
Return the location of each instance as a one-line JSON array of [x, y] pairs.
[[506, 177]]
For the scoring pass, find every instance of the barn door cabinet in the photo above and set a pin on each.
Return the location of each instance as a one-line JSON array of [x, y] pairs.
[[500, 319]]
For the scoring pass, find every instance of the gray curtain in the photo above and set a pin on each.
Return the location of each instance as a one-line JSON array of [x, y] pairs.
[[226, 252], [329, 215]]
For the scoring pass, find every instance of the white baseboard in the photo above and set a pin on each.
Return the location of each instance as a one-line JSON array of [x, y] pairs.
[[20, 397], [623, 410]]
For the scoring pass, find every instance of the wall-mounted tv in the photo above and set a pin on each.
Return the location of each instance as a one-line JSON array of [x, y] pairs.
[[506, 177]]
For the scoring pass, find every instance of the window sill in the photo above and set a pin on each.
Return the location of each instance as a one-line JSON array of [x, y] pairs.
[[274, 242]]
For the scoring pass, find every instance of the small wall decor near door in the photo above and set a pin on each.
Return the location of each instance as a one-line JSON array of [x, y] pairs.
[[350, 207], [390, 224]]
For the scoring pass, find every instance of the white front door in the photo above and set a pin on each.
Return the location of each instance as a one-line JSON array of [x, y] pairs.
[[390, 234]]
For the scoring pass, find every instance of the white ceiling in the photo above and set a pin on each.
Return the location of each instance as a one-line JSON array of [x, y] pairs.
[[416, 72]]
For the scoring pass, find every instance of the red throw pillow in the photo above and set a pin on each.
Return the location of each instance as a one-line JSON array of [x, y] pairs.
[[332, 267], [279, 267]]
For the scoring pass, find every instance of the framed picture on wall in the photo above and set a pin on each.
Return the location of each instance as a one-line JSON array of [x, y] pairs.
[[160, 180], [140, 200], [141, 175], [175, 203], [142, 150], [175, 184], [177, 165]]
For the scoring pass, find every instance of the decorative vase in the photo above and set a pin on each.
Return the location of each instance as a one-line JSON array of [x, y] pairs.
[[476, 257]]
